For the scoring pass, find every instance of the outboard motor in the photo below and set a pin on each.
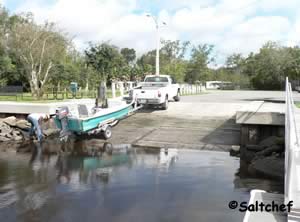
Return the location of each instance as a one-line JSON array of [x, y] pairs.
[[62, 115]]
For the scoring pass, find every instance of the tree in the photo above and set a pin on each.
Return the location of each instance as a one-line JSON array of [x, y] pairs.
[[172, 58], [269, 67], [174, 50], [147, 62], [37, 47], [8, 62], [198, 66], [129, 55], [106, 60]]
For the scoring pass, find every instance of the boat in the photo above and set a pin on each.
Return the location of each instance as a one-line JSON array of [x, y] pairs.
[[80, 119]]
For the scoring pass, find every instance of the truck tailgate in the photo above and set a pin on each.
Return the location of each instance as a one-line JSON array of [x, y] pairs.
[[147, 93]]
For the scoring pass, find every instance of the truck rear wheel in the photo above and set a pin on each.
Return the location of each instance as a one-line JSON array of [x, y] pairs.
[[177, 97], [165, 105]]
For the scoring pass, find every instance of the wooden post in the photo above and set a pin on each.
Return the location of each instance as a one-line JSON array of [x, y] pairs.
[[113, 89], [130, 85], [101, 97], [121, 85]]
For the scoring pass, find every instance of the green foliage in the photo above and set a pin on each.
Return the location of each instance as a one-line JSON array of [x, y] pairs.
[[129, 55], [172, 59], [197, 69], [105, 59], [147, 62], [269, 67], [40, 55]]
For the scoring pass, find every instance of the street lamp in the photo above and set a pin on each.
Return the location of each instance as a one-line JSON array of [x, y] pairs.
[[157, 26]]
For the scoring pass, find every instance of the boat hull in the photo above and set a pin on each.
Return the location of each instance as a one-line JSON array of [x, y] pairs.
[[83, 125]]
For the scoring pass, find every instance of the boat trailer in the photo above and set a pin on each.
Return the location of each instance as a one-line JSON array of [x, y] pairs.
[[64, 121]]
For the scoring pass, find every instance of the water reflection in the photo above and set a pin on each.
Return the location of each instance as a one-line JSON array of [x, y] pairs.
[[167, 157], [119, 182]]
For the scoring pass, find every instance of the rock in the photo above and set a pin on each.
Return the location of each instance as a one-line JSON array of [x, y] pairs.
[[25, 135], [9, 135], [254, 147], [272, 149], [16, 133], [272, 140], [11, 121], [23, 125], [4, 139], [247, 155], [50, 132], [234, 151], [18, 138], [271, 166], [5, 129], [3, 134]]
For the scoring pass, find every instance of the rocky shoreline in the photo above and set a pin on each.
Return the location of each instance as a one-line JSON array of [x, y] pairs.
[[264, 159], [13, 129]]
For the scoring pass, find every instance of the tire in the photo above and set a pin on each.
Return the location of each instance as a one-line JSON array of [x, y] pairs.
[[177, 97], [107, 133], [165, 105]]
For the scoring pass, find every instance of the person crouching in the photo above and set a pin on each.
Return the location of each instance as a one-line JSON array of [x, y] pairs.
[[36, 120]]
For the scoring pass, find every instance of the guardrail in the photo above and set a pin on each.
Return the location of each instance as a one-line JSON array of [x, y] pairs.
[[291, 146]]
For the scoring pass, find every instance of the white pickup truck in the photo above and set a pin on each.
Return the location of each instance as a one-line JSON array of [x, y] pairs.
[[156, 90]]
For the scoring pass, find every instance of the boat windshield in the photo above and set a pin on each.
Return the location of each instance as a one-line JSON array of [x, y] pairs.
[[156, 79]]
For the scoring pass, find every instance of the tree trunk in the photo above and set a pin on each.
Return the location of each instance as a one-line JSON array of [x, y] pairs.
[[34, 85], [87, 85]]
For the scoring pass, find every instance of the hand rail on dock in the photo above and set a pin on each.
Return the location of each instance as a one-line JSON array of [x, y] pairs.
[[292, 148]]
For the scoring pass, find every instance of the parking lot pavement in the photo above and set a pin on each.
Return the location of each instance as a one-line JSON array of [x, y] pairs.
[[236, 96]]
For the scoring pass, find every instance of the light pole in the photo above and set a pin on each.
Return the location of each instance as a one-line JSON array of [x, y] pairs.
[[157, 26]]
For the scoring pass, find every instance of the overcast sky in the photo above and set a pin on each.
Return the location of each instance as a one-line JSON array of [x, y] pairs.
[[231, 25]]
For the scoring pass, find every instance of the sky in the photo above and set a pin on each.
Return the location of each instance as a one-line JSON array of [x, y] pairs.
[[233, 26]]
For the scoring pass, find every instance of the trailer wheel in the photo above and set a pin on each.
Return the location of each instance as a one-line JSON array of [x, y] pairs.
[[107, 133]]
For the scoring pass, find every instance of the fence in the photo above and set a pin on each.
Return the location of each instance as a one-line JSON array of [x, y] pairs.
[[13, 91], [185, 89], [117, 89], [291, 147]]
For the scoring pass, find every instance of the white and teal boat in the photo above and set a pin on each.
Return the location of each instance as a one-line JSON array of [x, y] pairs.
[[80, 119]]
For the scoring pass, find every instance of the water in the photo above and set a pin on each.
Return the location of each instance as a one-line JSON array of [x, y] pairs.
[[83, 183]]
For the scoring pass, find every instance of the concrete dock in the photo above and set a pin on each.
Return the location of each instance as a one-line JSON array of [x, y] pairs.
[[48, 108], [265, 198], [263, 113]]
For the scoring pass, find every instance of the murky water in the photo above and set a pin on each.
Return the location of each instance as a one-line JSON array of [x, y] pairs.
[[89, 183]]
